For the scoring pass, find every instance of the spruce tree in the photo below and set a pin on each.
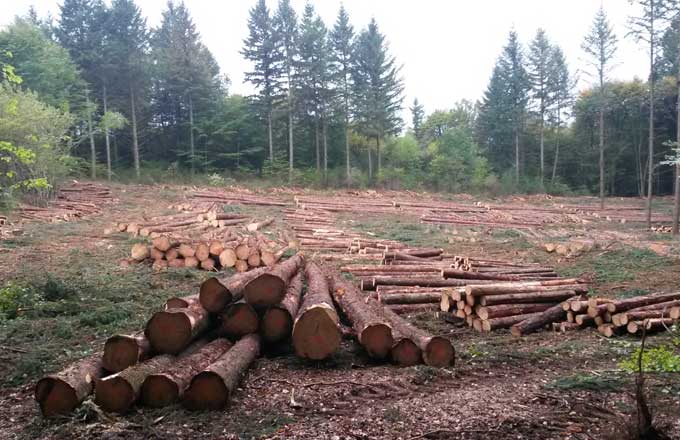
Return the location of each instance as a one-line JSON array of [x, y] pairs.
[[540, 64], [561, 96], [417, 116]]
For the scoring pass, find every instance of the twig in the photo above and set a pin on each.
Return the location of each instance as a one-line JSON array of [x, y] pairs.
[[16, 350]]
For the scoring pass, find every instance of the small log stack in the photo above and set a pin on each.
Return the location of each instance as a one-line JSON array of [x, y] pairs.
[[72, 202]]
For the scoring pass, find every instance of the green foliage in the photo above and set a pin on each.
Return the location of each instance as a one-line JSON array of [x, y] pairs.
[[662, 359], [631, 293], [587, 382], [14, 298], [455, 162], [619, 265]]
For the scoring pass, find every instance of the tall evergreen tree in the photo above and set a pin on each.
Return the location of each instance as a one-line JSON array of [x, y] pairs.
[[378, 89], [417, 117], [260, 49], [287, 35], [561, 95], [341, 38], [540, 64]]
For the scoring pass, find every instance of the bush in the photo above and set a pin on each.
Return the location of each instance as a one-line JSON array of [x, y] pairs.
[[663, 359], [14, 299]]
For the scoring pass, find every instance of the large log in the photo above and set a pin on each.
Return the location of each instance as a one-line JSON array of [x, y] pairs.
[[525, 298], [217, 292], [239, 319], [553, 314], [316, 332], [423, 282], [499, 311], [211, 388], [639, 315], [405, 309], [473, 291], [269, 288], [640, 301], [172, 330], [650, 324], [277, 321], [410, 298], [504, 322], [373, 329], [462, 274], [59, 394], [180, 302], [122, 351], [167, 387]]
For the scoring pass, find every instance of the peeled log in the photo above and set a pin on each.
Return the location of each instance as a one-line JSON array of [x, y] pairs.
[[218, 292], [436, 350], [277, 321], [316, 332], [269, 288], [499, 311], [239, 319], [172, 330], [211, 388], [167, 387], [373, 329], [555, 313], [59, 394], [122, 351]]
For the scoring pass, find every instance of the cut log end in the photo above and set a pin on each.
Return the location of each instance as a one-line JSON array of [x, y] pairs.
[[207, 391], [316, 334], [114, 395], [377, 340], [439, 353], [239, 320], [56, 397], [169, 332], [120, 352], [406, 353], [277, 325], [265, 290], [159, 391], [213, 295]]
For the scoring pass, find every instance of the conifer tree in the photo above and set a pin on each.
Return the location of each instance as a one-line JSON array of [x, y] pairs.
[[561, 96], [417, 116], [540, 64]]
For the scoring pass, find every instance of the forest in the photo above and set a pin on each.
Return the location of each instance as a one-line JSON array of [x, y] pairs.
[[128, 101]]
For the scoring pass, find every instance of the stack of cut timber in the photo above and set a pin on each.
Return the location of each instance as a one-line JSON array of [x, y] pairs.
[[231, 197], [72, 202], [196, 350]]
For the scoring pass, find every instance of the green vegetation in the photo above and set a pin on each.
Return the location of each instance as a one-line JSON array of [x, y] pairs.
[[619, 265], [661, 359], [581, 381]]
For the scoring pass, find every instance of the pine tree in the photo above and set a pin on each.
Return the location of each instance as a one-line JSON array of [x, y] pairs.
[[417, 116], [341, 38], [378, 89], [540, 64], [286, 32], [561, 96], [260, 49]]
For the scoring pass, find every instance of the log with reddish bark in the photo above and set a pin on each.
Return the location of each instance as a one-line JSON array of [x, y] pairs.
[[212, 387], [525, 287], [122, 351], [61, 393], [372, 328], [436, 351], [584, 320], [639, 315], [180, 302], [526, 298], [269, 288], [409, 298], [462, 274], [217, 292], [553, 314], [277, 321], [166, 387], [504, 322], [172, 330], [419, 281], [406, 309], [640, 301], [239, 319], [502, 310], [316, 332]]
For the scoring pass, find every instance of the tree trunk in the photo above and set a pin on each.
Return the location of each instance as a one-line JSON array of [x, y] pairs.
[[370, 164], [271, 137], [167, 387], [504, 321], [317, 144], [239, 319], [640, 301], [347, 163], [601, 157], [135, 143], [652, 81], [277, 321], [555, 313], [516, 155], [171, 331], [377, 150], [269, 288], [180, 302], [59, 394], [542, 145], [106, 135], [216, 293], [410, 298], [316, 332], [211, 388], [324, 137], [122, 351], [192, 146], [557, 145], [676, 202], [93, 151], [373, 330], [290, 134]]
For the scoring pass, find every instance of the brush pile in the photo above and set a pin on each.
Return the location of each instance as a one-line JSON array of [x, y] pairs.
[[196, 350], [72, 202]]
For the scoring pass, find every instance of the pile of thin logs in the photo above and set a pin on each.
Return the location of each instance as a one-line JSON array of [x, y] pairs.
[[196, 350], [242, 253], [232, 197], [72, 202], [655, 312]]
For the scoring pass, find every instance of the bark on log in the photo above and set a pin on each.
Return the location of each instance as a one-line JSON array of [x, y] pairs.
[[373, 329], [167, 387], [524, 287], [252, 227], [502, 310], [122, 351], [421, 281], [524, 298], [59, 394], [217, 292], [239, 319], [277, 321], [316, 332], [405, 309], [211, 388], [553, 314], [269, 288], [180, 303], [171, 331], [635, 315], [461, 274], [640, 301], [410, 298]]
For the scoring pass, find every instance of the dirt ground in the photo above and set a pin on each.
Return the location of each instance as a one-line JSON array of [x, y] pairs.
[[544, 386]]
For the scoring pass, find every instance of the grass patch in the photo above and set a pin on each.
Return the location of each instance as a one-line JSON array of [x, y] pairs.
[[405, 230], [587, 382], [618, 266], [631, 293]]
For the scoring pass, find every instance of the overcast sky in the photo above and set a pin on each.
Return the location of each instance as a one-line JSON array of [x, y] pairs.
[[447, 47]]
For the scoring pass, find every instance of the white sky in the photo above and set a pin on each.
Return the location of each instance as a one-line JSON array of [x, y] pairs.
[[447, 47]]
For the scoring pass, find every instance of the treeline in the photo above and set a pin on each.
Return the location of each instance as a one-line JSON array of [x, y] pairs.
[[328, 105]]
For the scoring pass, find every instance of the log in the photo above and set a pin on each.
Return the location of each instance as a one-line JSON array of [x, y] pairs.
[[166, 387], [61, 393], [504, 322], [525, 298], [555, 313], [640, 301], [277, 321], [163, 243], [171, 331], [217, 292], [202, 252], [524, 287], [208, 264], [180, 303], [122, 351], [502, 310], [186, 250], [461, 274], [191, 262], [239, 319], [252, 227], [176, 262], [227, 258], [241, 266], [171, 254], [159, 265], [403, 309], [254, 259], [269, 287], [584, 320], [242, 251], [216, 248], [316, 332], [436, 351], [563, 327], [139, 252], [624, 318], [423, 282], [211, 388], [155, 254], [410, 298]]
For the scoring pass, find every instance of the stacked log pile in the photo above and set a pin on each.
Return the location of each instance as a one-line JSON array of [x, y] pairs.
[[72, 202], [196, 350]]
